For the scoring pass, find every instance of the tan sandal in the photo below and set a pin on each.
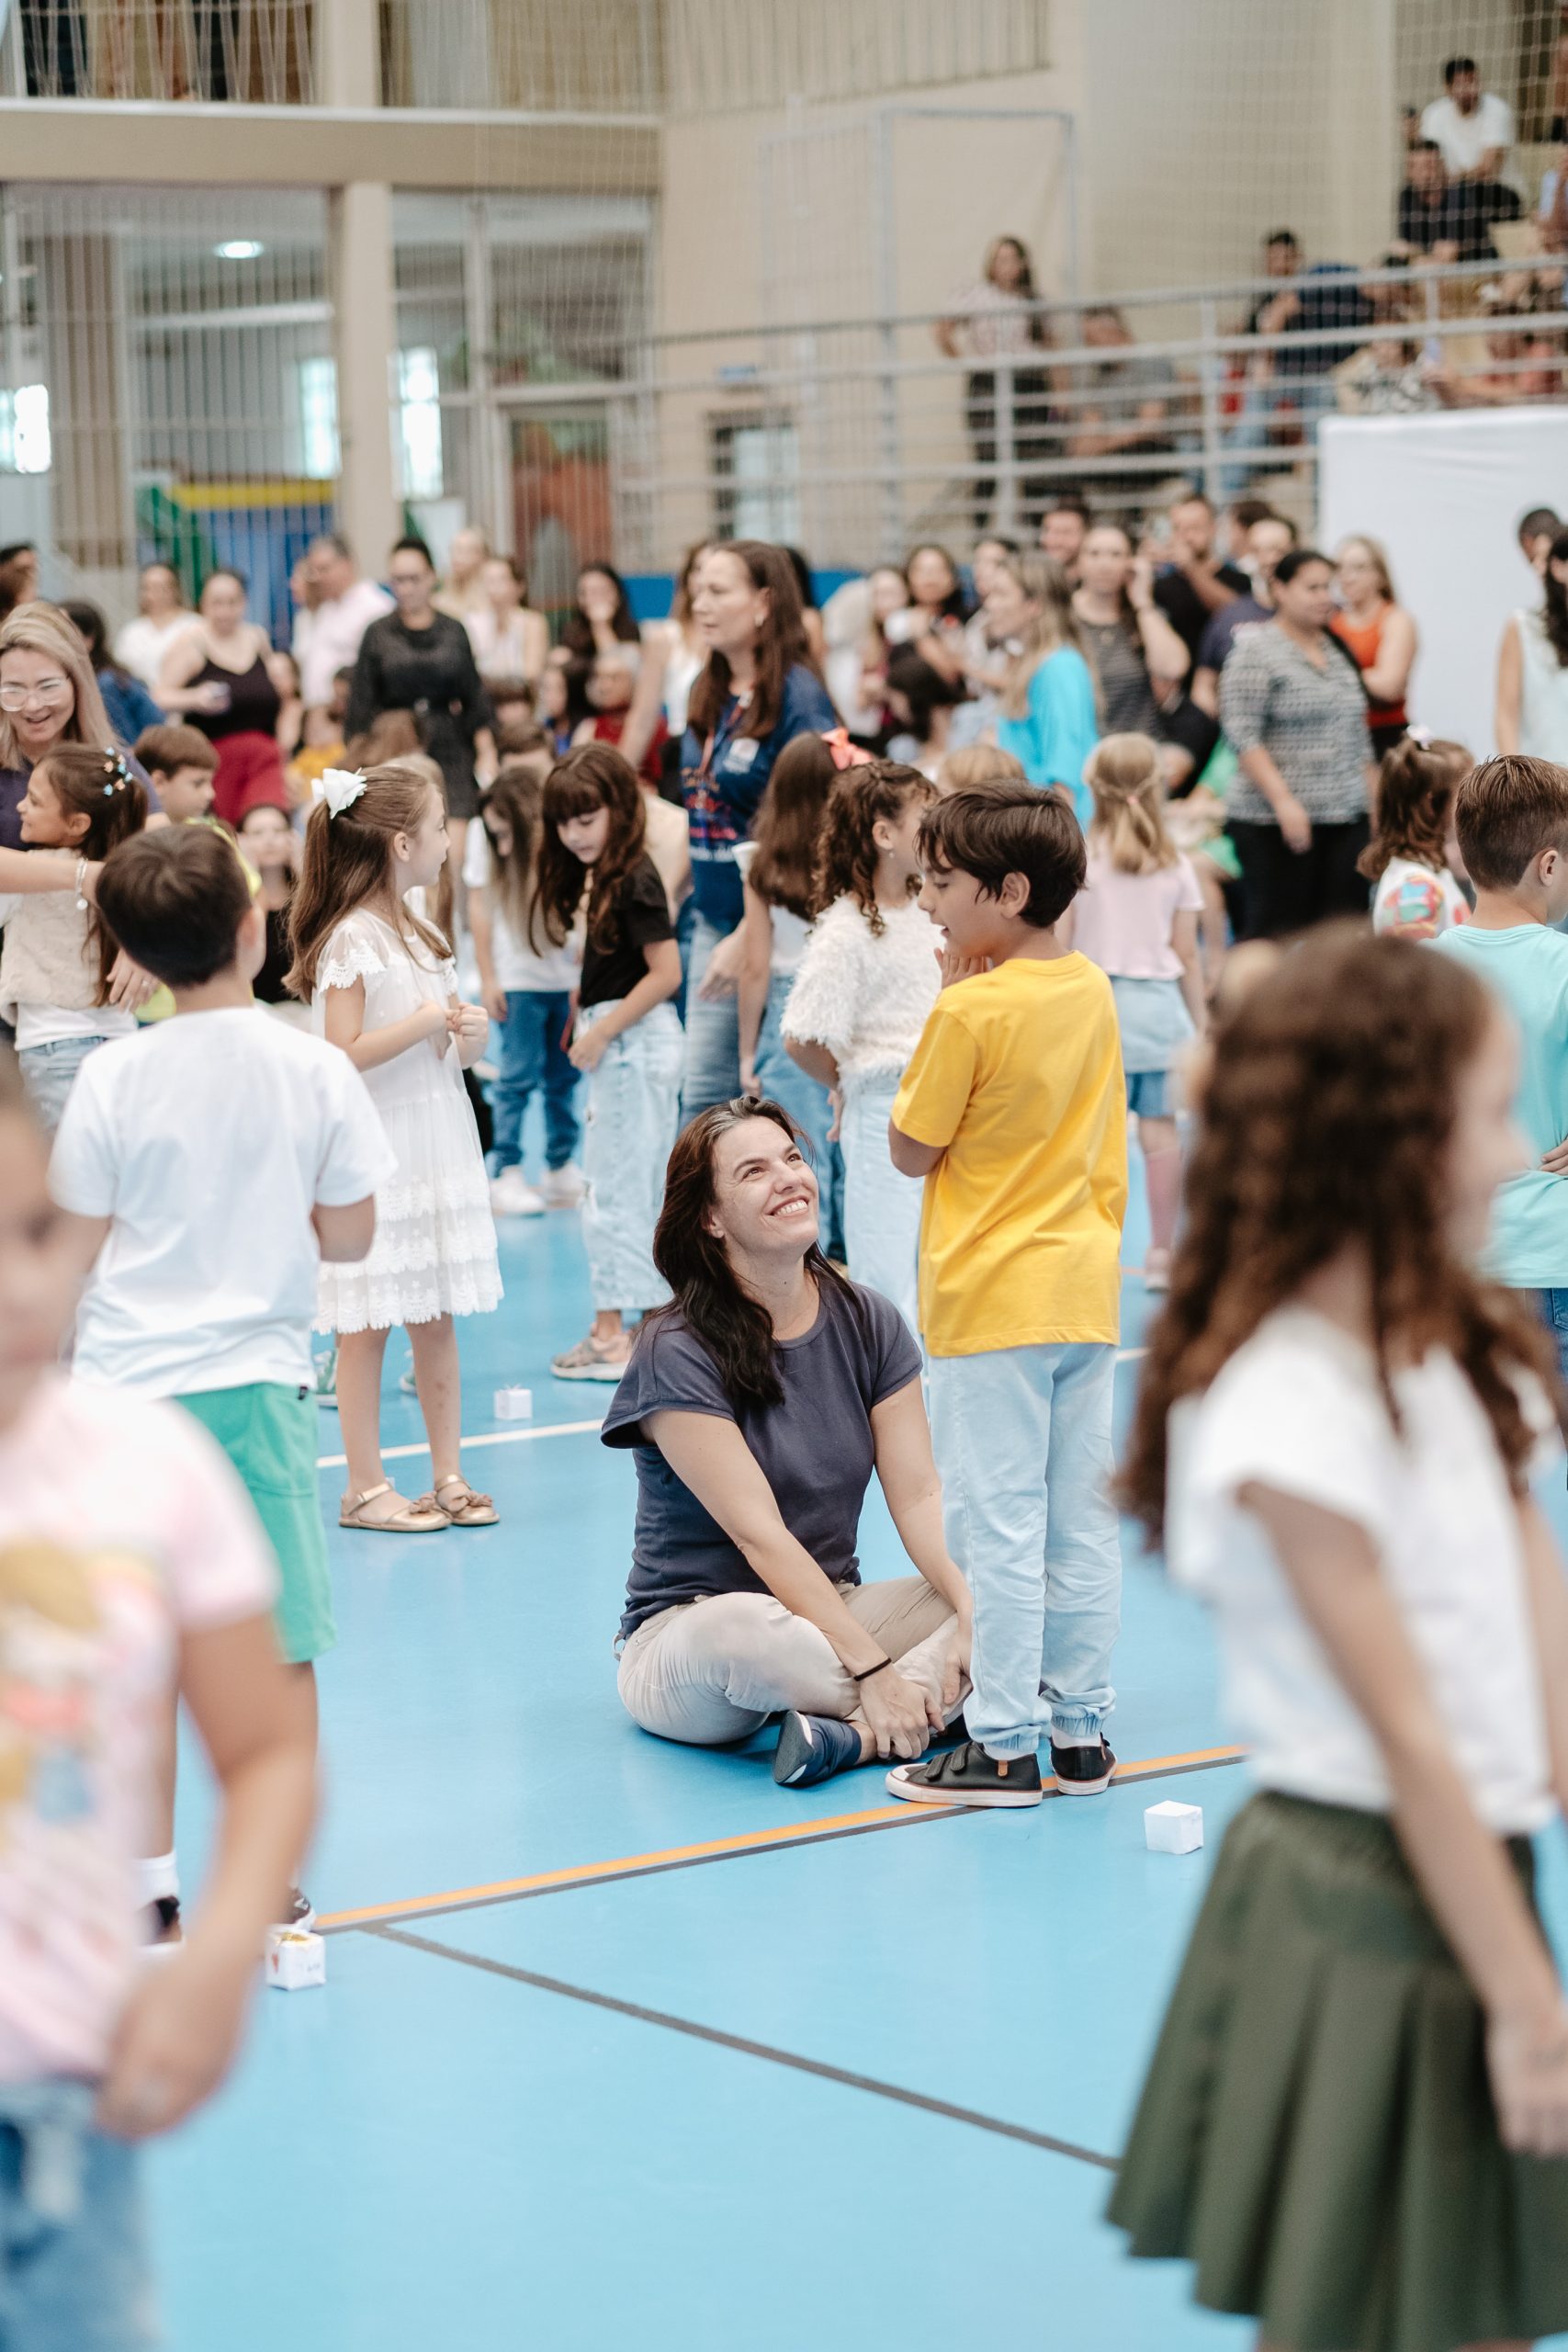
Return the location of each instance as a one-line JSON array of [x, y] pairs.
[[424, 1517], [474, 1510]]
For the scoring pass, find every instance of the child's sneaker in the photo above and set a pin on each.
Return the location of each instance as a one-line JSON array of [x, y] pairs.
[[562, 1188], [966, 1775], [1082, 1771], [512, 1195], [812, 1748]]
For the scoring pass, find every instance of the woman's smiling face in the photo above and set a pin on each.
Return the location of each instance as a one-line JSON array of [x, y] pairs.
[[764, 1202]]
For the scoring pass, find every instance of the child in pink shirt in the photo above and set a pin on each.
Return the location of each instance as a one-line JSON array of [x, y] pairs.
[[1137, 917], [131, 1563]]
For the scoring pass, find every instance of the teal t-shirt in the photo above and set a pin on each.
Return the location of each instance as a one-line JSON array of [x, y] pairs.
[[1528, 967]]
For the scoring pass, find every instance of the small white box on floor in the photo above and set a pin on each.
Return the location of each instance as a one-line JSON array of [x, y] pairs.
[[513, 1403], [1173, 1828], [295, 1960]]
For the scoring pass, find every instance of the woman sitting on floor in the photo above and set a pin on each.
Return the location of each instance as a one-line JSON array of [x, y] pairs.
[[758, 1405]]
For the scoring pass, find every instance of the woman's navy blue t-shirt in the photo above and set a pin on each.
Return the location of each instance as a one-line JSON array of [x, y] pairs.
[[815, 1449], [721, 802]]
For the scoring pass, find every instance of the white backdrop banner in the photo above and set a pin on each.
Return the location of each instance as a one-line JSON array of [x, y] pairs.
[[1444, 494]]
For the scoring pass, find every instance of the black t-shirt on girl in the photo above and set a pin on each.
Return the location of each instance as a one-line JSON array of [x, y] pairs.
[[642, 920]]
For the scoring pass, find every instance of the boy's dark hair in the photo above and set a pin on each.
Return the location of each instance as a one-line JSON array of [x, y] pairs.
[[1245, 512], [1015, 829], [162, 749], [1454, 68], [174, 899], [516, 738], [1505, 813]]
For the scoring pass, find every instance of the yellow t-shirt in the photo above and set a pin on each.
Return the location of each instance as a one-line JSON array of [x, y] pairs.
[[1019, 1074]]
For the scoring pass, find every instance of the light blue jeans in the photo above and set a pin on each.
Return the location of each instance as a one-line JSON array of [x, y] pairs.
[[784, 1082], [49, 1072], [1023, 1442], [73, 2273], [634, 1110], [881, 1209], [712, 1072]]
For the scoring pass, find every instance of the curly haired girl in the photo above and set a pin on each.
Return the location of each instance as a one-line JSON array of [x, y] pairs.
[[1337, 1426], [867, 980], [1409, 854]]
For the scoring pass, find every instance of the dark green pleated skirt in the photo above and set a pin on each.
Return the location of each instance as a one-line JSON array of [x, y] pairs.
[[1317, 2133]]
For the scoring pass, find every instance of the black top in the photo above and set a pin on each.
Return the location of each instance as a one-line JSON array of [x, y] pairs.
[[1185, 609], [815, 1449], [642, 919], [254, 701], [1462, 215], [268, 982], [431, 673]]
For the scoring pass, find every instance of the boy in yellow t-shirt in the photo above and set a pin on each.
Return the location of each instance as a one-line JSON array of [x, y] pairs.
[[1014, 1110]]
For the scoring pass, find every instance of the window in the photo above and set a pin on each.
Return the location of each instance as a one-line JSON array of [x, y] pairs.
[[25, 444], [318, 419], [419, 442], [756, 460]]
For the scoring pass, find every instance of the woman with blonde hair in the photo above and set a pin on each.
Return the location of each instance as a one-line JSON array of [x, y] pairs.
[[1048, 716], [1379, 634], [47, 695]]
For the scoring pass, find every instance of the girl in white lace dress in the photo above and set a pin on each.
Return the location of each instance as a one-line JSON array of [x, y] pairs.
[[383, 986]]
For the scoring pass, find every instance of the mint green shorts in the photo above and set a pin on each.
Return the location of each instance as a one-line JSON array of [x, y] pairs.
[[270, 1433]]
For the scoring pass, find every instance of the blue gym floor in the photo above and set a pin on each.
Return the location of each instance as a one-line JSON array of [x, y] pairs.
[[614, 2049]]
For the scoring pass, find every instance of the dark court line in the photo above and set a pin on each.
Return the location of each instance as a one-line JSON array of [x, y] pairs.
[[763, 2050]]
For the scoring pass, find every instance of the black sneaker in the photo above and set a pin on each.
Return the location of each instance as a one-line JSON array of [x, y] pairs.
[[1082, 1771], [812, 1748], [298, 1913], [966, 1775]]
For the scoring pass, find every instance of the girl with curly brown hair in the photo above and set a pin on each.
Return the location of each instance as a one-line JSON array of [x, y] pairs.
[[867, 980], [1356, 2117], [1413, 839]]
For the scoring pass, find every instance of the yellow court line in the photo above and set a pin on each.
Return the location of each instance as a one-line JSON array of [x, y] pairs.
[[749, 1842]]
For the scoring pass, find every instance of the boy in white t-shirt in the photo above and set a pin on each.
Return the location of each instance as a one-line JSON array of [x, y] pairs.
[[213, 1163], [131, 1568]]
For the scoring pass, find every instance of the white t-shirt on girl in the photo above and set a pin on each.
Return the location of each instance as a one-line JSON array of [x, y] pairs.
[[1418, 901], [517, 966], [1123, 921], [790, 931], [121, 1527], [1298, 1408], [866, 995]]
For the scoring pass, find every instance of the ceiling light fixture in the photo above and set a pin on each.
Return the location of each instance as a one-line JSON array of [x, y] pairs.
[[239, 249]]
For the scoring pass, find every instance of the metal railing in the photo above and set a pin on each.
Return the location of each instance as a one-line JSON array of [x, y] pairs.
[[257, 52]]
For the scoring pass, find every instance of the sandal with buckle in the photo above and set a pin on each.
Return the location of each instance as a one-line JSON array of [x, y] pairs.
[[474, 1510], [421, 1518]]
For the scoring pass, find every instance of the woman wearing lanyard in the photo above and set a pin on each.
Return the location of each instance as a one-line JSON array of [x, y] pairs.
[[758, 690]]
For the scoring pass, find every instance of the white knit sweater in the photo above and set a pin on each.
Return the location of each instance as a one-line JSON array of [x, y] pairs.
[[863, 995]]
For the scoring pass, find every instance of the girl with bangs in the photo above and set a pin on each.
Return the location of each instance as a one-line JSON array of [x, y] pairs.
[[1356, 2117], [594, 856], [382, 984]]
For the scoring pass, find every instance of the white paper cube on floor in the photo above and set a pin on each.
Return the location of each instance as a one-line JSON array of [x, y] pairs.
[[1173, 1828]]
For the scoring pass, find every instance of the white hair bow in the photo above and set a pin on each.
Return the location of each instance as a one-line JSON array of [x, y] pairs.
[[339, 788]]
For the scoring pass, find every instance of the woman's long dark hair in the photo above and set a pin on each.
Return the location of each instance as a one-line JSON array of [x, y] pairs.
[[788, 824], [577, 633], [782, 643], [592, 777], [734, 1328], [1555, 613]]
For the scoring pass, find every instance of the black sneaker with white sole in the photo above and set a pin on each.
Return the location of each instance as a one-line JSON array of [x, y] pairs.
[[1083, 1771], [966, 1775], [812, 1748]]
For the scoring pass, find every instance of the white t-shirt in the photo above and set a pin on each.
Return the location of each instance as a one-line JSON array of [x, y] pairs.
[[1298, 1408], [142, 644], [142, 1532], [209, 1140], [327, 640], [789, 930], [1421, 901], [1465, 137], [516, 965]]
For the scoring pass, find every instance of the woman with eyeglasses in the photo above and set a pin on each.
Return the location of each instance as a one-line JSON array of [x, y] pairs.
[[47, 695]]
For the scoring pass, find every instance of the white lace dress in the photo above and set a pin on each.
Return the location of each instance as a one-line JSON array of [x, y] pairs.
[[435, 1247]]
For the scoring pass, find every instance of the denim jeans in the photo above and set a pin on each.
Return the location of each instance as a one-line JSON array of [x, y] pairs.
[[1553, 1308], [784, 1082], [1023, 1442], [532, 1060], [712, 1072], [713, 1670], [73, 2273], [634, 1110], [49, 1072], [881, 1209]]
